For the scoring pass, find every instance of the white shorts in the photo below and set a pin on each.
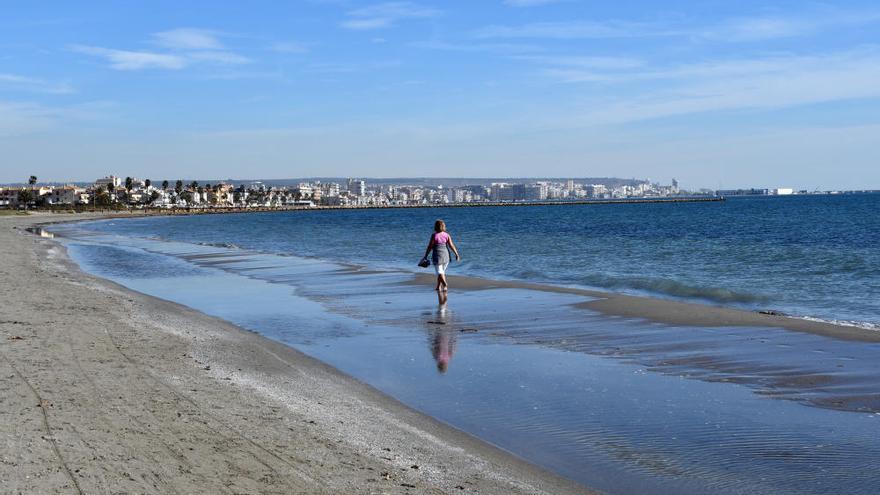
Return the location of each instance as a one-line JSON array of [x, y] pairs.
[[441, 268]]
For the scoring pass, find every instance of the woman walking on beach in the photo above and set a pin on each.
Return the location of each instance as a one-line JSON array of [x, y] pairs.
[[439, 246]]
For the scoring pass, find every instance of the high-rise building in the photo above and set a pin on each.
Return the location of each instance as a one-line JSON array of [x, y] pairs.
[[356, 187]]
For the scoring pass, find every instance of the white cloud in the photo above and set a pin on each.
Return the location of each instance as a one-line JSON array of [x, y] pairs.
[[185, 47], [366, 24], [382, 15], [758, 84], [220, 57], [476, 47], [530, 3], [743, 29], [20, 118], [34, 85], [188, 39], [766, 28], [576, 30], [289, 47], [133, 60], [586, 62]]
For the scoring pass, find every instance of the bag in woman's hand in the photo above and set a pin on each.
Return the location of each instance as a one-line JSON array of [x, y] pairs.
[[424, 263]]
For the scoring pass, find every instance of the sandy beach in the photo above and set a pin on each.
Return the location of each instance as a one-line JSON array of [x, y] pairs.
[[105, 390]]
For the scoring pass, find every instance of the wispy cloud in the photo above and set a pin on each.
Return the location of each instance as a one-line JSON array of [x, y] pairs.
[[748, 29], [383, 15], [585, 62], [741, 29], [505, 48], [289, 47], [217, 56], [188, 39], [19, 118], [184, 47], [530, 3], [133, 60], [773, 82], [577, 30], [34, 85]]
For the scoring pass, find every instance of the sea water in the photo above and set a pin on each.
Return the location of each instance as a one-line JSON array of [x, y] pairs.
[[622, 405], [808, 256]]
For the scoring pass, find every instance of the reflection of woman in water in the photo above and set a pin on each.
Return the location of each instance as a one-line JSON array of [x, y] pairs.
[[442, 339], [439, 246]]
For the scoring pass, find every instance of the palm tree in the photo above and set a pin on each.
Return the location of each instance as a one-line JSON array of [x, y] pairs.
[[164, 185], [101, 197], [148, 183], [32, 180], [129, 183]]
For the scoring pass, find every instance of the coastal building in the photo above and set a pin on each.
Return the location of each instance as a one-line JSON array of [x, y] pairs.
[[9, 197], [595, 190], [329, 190], [304, 189], [67, 195], [496, 190], [109, 183], [356, 187]]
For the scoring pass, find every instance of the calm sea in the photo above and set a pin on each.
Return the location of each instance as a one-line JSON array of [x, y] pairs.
[[622, 405], [808, 256]]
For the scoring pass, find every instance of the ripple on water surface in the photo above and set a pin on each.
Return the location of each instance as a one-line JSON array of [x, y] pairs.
[[620, 405]]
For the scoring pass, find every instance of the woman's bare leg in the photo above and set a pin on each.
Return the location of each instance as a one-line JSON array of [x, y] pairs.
[[439, 281], [442, 282]]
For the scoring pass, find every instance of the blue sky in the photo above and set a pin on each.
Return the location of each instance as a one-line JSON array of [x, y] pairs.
[[714, 93]]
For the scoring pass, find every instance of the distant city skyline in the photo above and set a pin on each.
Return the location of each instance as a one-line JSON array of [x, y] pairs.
[[719, 95]]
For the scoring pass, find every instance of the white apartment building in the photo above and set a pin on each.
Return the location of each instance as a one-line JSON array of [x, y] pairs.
[[68, 195], [109, 183]]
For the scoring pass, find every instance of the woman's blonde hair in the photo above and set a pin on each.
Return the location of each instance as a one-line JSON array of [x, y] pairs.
[[439, 226]]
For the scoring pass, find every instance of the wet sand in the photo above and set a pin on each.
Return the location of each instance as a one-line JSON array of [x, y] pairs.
[[109, 390], [665, 311]]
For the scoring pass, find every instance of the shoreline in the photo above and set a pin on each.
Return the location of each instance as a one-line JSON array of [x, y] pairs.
[[665, 311], [652, 309], [143, 394]]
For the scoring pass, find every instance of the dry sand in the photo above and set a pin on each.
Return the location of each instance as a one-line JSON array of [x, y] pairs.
[[105, 390]]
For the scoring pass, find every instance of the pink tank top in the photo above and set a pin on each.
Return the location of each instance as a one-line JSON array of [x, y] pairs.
[[441, 238]]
